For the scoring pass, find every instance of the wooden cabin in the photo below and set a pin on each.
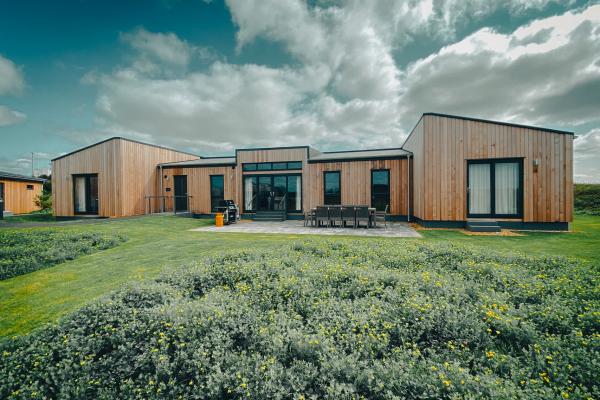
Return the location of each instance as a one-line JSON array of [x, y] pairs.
[[18, 193], [449, 171]]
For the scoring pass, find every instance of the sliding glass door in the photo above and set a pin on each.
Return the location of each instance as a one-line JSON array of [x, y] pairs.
[[273, 192], [495, 188], [85, 194]]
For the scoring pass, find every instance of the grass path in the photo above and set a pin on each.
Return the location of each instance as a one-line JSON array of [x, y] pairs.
[[158, 242]]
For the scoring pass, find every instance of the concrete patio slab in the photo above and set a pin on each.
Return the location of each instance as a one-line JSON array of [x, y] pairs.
[[295, 227]]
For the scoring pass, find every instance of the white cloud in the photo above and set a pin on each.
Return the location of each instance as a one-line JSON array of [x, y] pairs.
[[10, 117], [164, 47], [11, 78]]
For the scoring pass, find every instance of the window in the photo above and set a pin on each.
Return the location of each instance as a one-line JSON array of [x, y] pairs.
[[217, 191], [264, 166], [495, 188], [29, 187], [274, 166], [380, 189], [332, 189]]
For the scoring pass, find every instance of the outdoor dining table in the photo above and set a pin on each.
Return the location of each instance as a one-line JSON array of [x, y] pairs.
[[372, 211]]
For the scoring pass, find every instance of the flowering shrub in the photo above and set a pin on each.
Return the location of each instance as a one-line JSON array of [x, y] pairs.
[[328, 319], [24, 251]]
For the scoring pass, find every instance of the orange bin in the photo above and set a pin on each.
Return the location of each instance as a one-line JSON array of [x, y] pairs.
[[219, 219]]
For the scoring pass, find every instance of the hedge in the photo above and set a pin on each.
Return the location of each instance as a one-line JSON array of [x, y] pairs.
[[24, 251], [329, 319]]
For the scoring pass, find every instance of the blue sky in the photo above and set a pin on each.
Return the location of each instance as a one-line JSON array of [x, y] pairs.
[[207, 77]]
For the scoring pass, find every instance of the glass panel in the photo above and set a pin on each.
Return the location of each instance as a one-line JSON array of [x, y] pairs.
[[250, 192], [264, 166], [279, 191], [217, 191], [80, 205], [332, 188], [93, 200], [507, 188], [380, 189], [249, 167], [292, 192], [279, 165], [264, 193], [295, 165], [479, 189]]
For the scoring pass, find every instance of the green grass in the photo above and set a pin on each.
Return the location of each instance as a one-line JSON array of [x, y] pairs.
[[37, 216], [156, 242]]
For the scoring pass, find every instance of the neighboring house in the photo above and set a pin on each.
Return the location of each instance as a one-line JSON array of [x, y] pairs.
[[19, 192], [450, 169]]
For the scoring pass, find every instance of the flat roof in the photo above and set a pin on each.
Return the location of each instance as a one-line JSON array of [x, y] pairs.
[[16, 177], [122, 138], [201, 162], [351, 155]]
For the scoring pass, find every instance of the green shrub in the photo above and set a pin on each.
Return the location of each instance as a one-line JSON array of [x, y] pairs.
[[359, 319], [24, 251], [587, 199]]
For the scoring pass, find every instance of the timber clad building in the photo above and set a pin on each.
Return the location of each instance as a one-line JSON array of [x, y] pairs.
[[449, 170], [18, 193]]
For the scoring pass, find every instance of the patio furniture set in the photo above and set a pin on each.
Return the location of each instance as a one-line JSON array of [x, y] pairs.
[[343, 216]]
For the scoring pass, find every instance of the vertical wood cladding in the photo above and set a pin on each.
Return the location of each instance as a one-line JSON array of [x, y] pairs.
[[17, 198]]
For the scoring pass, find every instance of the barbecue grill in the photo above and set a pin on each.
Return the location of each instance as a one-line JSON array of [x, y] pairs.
[[231, 212]]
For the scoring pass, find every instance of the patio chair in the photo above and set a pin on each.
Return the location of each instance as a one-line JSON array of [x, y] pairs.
[[348, 215], [362, 215], [335, 215], [322, 215], [381, 216], [310, 218]]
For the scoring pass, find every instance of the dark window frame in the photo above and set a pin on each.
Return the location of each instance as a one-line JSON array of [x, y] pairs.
[[339, 194], [389, 186], [520, 193], [87, 193], [270, 166], [213, 204], [272, 175]]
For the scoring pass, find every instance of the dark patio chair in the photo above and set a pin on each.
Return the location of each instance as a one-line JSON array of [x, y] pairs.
[[362, 215], [309, 218], [322, 215], [381, 216], [348, 216], [335, 215]]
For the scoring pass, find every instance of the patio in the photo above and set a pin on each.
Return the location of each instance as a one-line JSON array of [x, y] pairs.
[[296, 227]]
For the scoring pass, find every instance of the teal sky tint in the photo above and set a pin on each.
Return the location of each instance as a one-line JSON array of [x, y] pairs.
[[55, 44]]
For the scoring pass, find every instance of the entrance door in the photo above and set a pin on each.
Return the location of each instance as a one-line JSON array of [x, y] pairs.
[[265, 193], [181, 192], [495, 188], [1, 200], [279, 192], [85, 194]]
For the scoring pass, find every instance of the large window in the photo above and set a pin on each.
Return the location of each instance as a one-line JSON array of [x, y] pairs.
[[495, 188], [217, 191], [380, 189], [268, 192], [332, 187], [85, 194]]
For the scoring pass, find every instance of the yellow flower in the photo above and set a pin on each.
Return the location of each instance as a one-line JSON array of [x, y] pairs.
[[447, 382], [490, 354]]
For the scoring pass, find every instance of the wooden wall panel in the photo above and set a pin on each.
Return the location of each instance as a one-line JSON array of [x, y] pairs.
[[198, 181], [414, 144], [17, 198], [449, 142], [126, 174], [355, 179]]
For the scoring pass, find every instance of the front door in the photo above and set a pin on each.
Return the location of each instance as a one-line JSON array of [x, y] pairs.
[[1, 200], [495, 188], [85, 194], [265, 193], [181, 192], [279, 192]]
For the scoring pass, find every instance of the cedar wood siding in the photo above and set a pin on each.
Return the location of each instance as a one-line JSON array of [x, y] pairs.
[[127, 172], [444, 144], [19, 200]]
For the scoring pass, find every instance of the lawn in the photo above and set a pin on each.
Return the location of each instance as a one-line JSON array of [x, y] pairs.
[[156, 242]]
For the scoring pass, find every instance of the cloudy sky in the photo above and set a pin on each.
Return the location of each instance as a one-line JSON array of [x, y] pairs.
[[210, 76]]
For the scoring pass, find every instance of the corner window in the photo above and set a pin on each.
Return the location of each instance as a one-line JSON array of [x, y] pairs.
[[380, 189], [332, 188], [217, 191]]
